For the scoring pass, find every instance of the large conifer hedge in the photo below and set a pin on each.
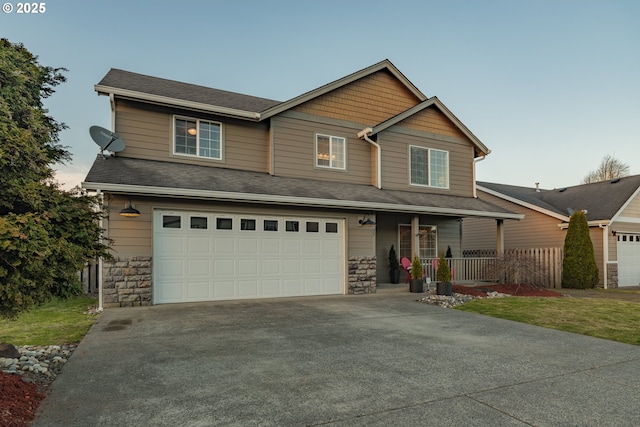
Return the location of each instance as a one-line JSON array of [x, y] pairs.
[[579, 269]]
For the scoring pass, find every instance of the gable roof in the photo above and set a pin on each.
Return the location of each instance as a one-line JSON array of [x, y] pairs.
[[151, 177], [382, 65], [602, 200], [173, 93], [435, 102]]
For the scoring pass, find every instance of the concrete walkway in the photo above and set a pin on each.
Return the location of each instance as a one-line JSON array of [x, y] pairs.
[[367, 360]]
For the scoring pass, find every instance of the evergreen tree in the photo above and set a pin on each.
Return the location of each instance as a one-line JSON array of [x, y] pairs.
[[46, 234], [579, 269]]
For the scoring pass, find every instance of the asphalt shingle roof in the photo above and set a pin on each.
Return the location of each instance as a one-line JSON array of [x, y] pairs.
[[152, 173], [127, 80], [602, 200]]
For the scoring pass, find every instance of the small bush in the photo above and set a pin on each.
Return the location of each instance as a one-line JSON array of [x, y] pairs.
[[416, 268], [444, 272]]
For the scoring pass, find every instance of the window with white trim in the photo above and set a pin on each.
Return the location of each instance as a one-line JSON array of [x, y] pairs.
[[330, 152], [199, 138], [429, 167]]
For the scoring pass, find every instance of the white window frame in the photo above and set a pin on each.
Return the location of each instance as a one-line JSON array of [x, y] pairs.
[[427, 233], [331, 152], [197, 121], [430, 166]]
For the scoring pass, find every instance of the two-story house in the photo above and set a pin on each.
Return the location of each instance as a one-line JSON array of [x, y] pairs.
[[245, 197]]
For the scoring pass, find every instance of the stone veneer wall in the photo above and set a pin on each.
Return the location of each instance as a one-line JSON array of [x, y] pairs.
[[126, 281], [362, 275], [612, 276]]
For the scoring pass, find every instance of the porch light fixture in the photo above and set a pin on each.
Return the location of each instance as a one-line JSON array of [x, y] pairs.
[[129, 211], [192, 131], [366, 220]]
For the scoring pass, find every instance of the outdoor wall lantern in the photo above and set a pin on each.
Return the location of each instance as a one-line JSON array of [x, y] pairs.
[[129, 211], [366, 220]]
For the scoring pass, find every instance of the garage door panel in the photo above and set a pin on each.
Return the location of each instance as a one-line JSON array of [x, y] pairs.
[[312, 247], [199, 267], [270, 246], [224, 289], [291, 246], [270, 266], [292, 266], [248, 288], [198, 245], [198, 291], [292, 287], [248, 246], [171, 268], [210, 259], [271, 288], [248, 267], [169, 245], [224, 245], [312, 266]]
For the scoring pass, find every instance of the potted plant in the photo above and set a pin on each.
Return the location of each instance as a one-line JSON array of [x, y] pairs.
[[416, 284], [443, 277], [394, 266]]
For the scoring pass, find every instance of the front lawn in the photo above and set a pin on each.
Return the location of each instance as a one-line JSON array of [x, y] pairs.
[[54, 323], [598, 317]]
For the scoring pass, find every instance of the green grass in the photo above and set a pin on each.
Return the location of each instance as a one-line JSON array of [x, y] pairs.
[[603, 318], [54, 323]]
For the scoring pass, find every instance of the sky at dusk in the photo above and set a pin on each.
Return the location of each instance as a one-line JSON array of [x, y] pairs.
[[550, 86]]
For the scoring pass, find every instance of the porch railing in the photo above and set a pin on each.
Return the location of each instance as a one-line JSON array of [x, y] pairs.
[[464, 269], [538, 266]]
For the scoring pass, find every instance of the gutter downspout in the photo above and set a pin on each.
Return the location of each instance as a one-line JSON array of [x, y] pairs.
[[100, 224], [605, 254], [364, 134], [475, 161]]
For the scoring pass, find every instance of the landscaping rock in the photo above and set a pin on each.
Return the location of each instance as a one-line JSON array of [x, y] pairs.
[[8, 351]]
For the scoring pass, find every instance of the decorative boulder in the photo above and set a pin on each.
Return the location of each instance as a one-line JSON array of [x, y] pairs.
[[8, 351]]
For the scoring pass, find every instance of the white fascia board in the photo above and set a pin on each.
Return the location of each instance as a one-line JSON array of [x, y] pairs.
[[628, 219], [173, 102], [290, 200], [616, 216], [523, 204], [599, 223]]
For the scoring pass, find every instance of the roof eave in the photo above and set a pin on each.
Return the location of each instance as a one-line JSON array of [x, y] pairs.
[[174, 102], [523, 203], [291, 200]]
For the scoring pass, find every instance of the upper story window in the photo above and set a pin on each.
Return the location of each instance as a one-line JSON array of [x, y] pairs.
[[330, 152], [429, 167], [200, 138]]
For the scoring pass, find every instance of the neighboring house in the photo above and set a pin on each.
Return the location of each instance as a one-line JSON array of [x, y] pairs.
[[245, 197], [612, 210]]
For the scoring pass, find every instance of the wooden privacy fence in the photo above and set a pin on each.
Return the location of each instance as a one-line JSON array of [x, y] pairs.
[[536, 266]]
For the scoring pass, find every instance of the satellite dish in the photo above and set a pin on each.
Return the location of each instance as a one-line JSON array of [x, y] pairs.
[[106, 139]]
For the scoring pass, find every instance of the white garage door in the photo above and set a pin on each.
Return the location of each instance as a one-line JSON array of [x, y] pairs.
[[628, 259], [212, 256]]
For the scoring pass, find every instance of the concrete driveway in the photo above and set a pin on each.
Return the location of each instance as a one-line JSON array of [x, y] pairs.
[[342, 361]]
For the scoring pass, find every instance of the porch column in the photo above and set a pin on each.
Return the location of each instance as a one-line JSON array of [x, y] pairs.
[[415, 230], [500, 237]]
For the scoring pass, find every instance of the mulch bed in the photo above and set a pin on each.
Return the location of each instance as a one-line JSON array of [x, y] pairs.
[[515, 290], [18, 400]]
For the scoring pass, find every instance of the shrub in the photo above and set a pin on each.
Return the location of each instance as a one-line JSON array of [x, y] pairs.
[[444, 272], [416, 268], [579, 269], [393, 259]]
